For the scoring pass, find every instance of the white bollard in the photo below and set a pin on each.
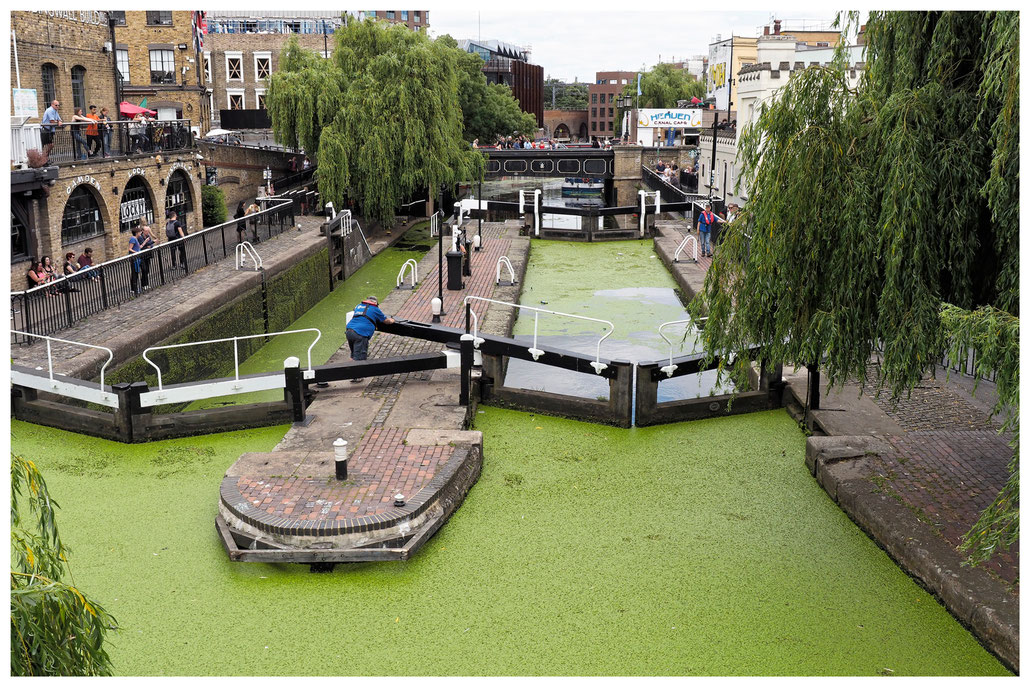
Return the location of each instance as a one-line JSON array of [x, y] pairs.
[[340, 450]]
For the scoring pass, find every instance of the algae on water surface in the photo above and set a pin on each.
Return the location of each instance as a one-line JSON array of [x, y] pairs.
[[691, 549]]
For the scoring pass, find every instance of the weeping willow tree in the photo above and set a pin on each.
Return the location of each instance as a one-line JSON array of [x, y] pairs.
[[55, 628], [381, 115], [886, 217]]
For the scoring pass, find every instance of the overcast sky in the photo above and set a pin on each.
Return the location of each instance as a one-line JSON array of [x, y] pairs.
[[577, 44]]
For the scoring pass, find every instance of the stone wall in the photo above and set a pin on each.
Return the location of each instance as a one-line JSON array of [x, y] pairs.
[[65, 40], [574, 120], [240, 169]]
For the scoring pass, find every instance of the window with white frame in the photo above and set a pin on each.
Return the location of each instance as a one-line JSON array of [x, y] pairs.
[[207, 67], [262, 65], [211, 106], [235, 98], [259, 94], [122, 59], [234, 66]]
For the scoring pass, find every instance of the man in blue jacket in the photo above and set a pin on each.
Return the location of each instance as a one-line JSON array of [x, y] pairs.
[[367, 318], [705, 222]]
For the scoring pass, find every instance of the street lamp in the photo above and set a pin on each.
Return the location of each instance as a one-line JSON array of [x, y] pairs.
[[267, 175]]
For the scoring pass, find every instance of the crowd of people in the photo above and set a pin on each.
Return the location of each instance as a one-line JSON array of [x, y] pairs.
[[91, 133]]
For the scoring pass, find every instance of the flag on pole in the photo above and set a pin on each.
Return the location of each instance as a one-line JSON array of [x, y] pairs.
[[638, 84], [199, 21]]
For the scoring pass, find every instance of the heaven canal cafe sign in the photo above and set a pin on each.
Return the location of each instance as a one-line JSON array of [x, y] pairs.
[[665, 119]]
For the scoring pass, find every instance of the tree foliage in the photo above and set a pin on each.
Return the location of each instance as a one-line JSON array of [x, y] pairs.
[[381, 114], [212, 202], [663, 86], [565, 96], [488, 110], [885, 217], [55, 628]]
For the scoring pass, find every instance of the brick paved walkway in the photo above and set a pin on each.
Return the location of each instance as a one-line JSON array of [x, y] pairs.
[[381, 467]]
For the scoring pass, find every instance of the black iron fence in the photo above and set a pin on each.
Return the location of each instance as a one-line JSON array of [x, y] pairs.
[[59, 304], [81, 141]]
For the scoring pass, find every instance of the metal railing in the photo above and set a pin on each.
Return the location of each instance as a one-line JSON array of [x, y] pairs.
[[75, 141], [503, 260], [101, 395], [534, 351], [671, 367], [682, 245], [410, 262], [58, 304], [212, 389], [242, 251]]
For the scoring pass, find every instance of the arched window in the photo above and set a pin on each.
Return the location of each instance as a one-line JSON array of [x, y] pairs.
[[49, 84], [136, 204], [79, 87], [179, 197], [82, 217], [562, 132]]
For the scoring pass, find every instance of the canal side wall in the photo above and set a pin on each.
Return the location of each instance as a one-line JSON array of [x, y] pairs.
[[842, 465], [264, 303]]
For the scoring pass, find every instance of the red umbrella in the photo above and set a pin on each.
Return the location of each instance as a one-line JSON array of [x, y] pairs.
[[131, 110]]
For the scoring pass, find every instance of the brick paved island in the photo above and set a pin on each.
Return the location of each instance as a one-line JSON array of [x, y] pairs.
[[406, 433]]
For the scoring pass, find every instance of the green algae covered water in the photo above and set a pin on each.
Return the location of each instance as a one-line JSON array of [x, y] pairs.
[[699, 548], [693, 549]]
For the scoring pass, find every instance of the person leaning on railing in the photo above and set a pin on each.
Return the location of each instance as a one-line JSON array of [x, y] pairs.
[[37, 276], [79, 121]]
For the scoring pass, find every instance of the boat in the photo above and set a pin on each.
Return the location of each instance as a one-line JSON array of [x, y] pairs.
[[582, 186]]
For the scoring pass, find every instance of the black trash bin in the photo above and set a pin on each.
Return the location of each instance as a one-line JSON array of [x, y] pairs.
[[454, 282]]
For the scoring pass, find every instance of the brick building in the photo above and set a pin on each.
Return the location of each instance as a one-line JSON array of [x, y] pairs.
[[62, 55], [158, 61], [242, 49], [68, 200], [567, 125], [604, 91], [416, 20]]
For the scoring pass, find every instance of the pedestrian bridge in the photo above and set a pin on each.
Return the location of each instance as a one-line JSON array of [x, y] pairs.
[[592, 162]]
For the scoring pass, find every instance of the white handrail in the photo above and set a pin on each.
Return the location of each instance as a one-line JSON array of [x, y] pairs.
[[504, 259], [235, 350], [643, 206], [49, 358], [414, 272], [434, 223], [689, 237], [534, 351], [241, 255], [670, 368]]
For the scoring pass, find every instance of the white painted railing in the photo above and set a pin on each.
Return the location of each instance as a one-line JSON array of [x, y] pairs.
[[683, 243], [534, 351], [536, 208], [244, 249], [410, 262], [194, 392], [64, 388], [434, 224], [507, 263], [670, 368], [643, 207]]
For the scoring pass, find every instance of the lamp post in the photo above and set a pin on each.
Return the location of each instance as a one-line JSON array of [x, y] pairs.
[[267, 175]]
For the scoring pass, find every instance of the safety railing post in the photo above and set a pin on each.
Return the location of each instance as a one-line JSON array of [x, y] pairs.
[[467, 359], [294, 390]]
